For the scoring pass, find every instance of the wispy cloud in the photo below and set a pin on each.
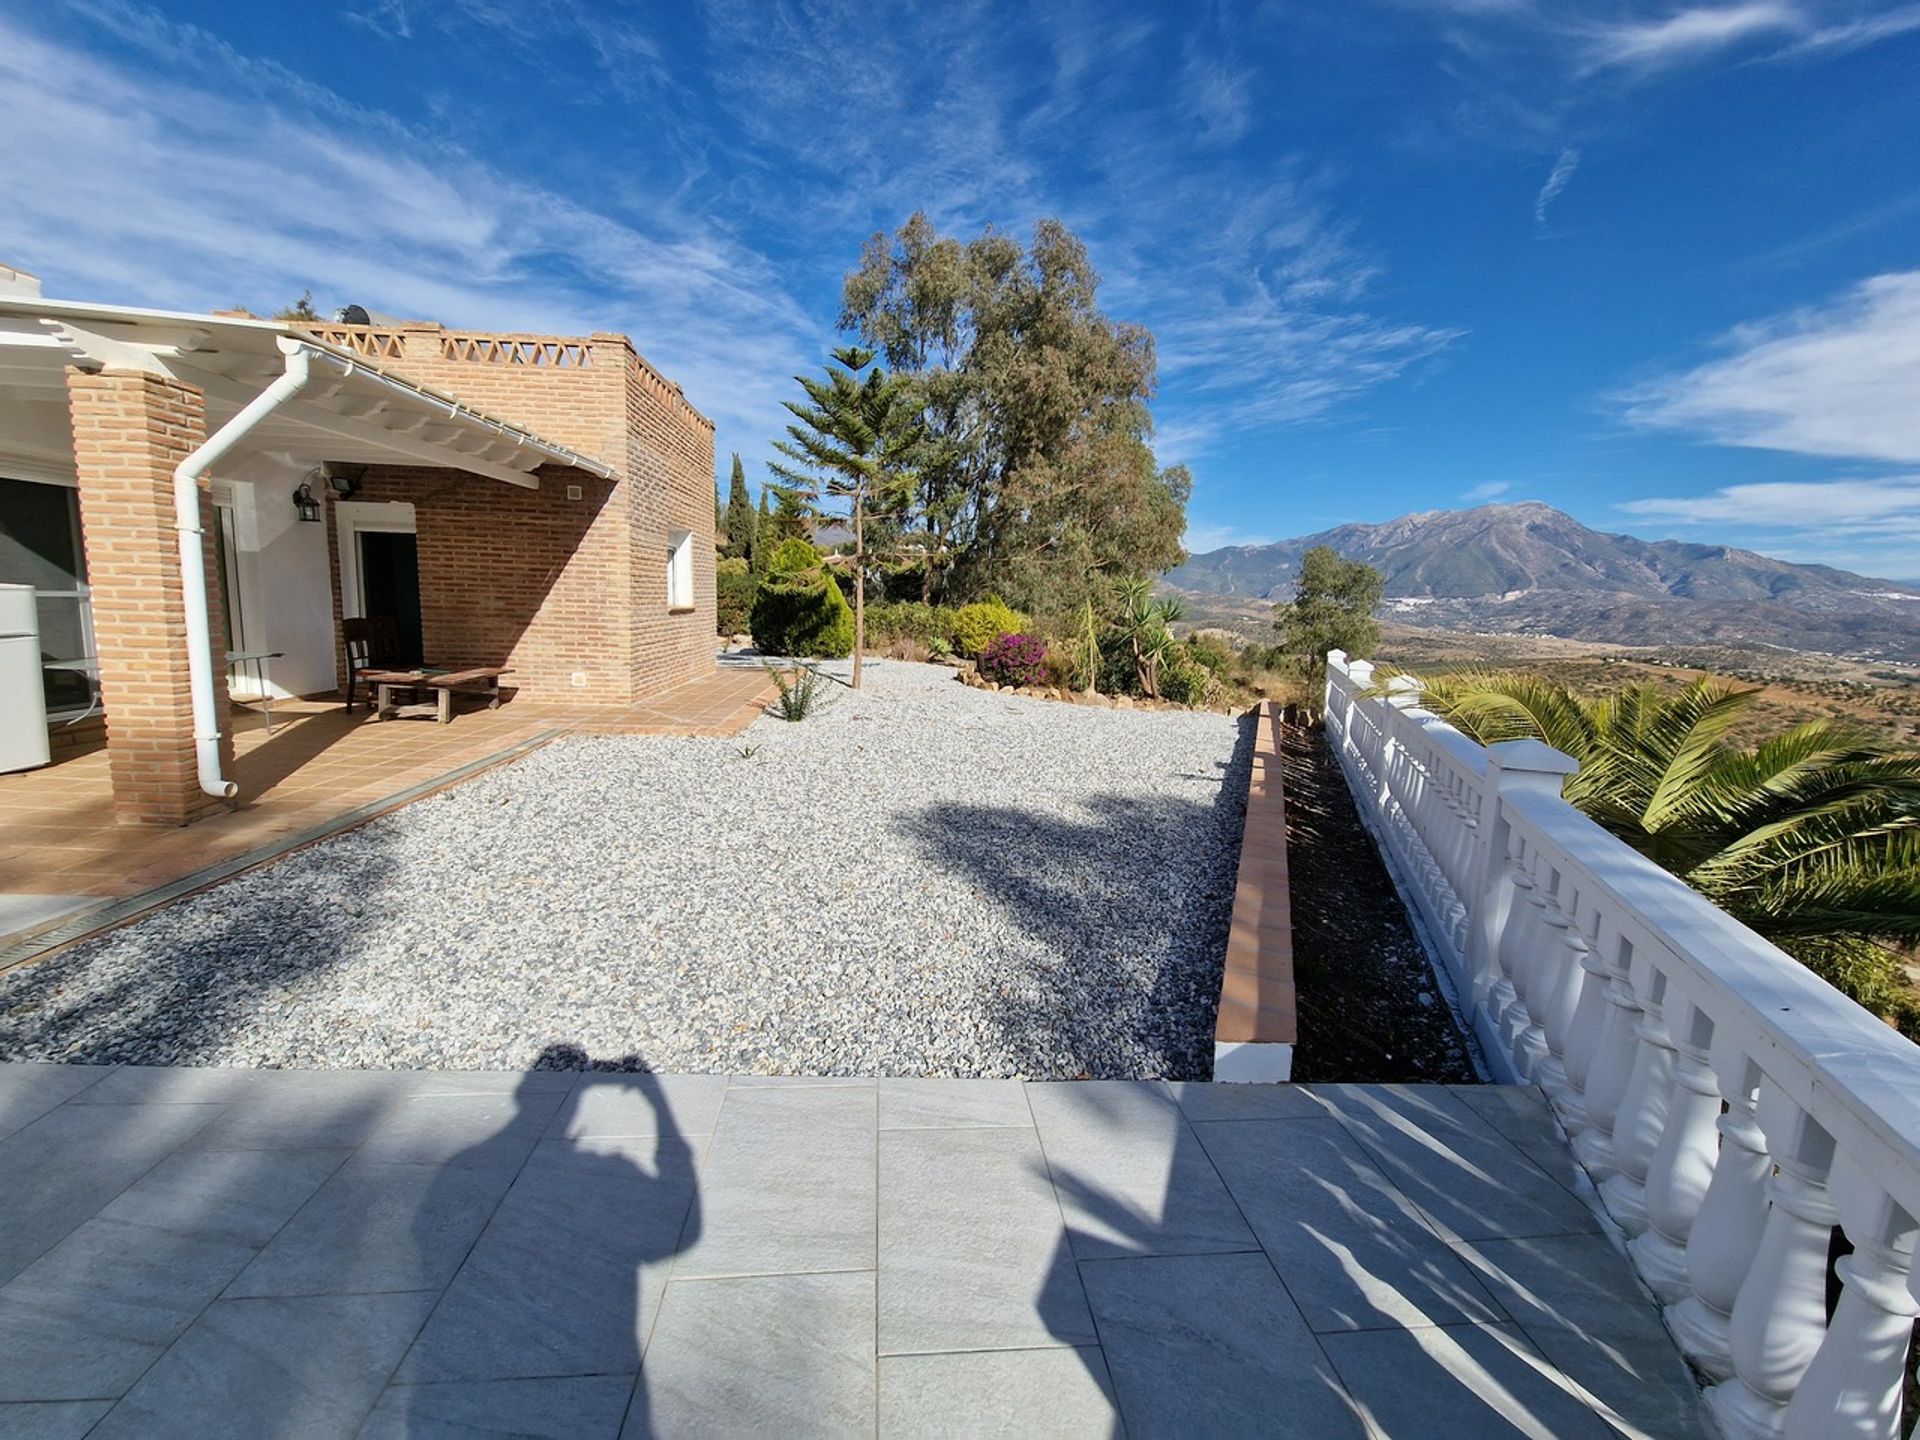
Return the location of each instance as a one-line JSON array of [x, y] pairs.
[[209, 179], [1871, 525], [1558, 178], [1855, 33], [1217, 94], [1487, 490], [1685, 35], [1838, 379]]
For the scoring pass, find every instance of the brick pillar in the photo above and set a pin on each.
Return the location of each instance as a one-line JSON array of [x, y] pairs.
[[130, 430]]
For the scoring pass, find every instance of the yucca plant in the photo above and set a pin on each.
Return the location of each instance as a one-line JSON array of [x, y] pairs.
[[800, 693], [1811, 838]]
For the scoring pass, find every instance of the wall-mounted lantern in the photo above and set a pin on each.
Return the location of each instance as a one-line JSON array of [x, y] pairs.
[[305, 506]]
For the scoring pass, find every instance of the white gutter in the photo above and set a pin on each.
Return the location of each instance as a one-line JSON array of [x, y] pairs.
[[193, 556]]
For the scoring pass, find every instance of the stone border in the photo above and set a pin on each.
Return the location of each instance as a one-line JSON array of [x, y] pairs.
[[1258, 1026]]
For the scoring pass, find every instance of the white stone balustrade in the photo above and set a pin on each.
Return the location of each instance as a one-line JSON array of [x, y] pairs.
[[1736, 1112]]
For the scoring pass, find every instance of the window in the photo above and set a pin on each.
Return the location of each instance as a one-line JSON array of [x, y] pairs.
[[680, 570], [40, 546]]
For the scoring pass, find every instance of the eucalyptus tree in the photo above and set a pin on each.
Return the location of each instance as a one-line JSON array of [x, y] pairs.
[[1038, 481], [856, 437]]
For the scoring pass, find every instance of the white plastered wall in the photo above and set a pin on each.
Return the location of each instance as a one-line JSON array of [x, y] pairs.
[[286, 596]]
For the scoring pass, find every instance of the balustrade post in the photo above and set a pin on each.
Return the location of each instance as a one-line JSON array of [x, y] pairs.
[[1726, 1231], [1683, 1162], [1514, 767], [1851, 1391], [1780, 1316], [1561, 1008]]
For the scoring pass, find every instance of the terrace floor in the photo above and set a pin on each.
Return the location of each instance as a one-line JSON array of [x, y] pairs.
[[189, 1252], [62, 851]]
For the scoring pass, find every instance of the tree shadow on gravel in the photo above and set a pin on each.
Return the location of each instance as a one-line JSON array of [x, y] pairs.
[[1135, 938], [177, 985]]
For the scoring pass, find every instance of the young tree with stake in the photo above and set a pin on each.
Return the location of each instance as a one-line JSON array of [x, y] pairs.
[[855, 439]]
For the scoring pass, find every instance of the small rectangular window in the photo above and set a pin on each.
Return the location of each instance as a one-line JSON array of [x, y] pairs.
[[680, 570]]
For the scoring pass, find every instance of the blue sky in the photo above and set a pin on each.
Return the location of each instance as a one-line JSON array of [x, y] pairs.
[[1657, 264]]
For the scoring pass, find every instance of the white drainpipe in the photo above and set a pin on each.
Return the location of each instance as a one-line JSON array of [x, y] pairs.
[[193, 557]]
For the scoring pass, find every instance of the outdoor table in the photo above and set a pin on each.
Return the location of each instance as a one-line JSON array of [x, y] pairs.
[[474, 680], [258, 659]]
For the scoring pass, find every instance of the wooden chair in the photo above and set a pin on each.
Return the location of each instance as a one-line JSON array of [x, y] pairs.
[[373, 643]]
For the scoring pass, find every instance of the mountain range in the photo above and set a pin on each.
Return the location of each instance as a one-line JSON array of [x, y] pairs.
[[1531, 569]]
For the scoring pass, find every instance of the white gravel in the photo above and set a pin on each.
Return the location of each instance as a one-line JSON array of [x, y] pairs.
[[923, 879]]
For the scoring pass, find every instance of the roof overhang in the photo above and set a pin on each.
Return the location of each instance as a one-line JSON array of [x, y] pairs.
[[356, 413]]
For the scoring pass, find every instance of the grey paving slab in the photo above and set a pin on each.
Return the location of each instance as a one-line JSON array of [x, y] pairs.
[[786, 1355], [64, 1167], [764, 1082], [619, 1106], [1212, 1345], [1469, 1180], [305, 1368], [1522, 1114], [568, 1274], [374, 1228], [998, 1395], [788, 1183], [307, 1111], [1578, 1300], [486, 1082], [181, 1085], [51, 1420], [1351, 1248], [1638, 1382], [1132, 1177], [1206, 1100], [29, 1090], [1486, 1382], [87, 1318], [578, 1407], [973, 1255], [463, 1131], [912, 1104]]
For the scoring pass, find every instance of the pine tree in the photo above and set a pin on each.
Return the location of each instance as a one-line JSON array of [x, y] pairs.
[[856, 438], [740, 518]]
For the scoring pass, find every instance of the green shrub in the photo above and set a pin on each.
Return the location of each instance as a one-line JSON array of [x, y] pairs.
[[1185, 681], [798, 696], [798, 609], [978, 625], [792, 556], [1212, 651], [908, 620], [733, 591]]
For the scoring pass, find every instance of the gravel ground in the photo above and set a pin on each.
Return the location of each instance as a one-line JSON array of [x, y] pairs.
[[923, 879]]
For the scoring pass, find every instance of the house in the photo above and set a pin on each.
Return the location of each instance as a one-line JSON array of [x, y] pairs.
[[180, 488]]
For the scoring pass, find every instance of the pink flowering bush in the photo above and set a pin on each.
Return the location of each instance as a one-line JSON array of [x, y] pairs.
[[1015, 660]]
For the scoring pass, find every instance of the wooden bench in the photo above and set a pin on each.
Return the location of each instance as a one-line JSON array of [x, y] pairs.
[[475, 680]]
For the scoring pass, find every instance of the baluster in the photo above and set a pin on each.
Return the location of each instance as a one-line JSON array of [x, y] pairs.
[[1642, 1116], [1562, 1004], [1780, 1316], [1583, 1030], [1613, 1064], [1532, 937], [1516, 942], [1683, 1163], [1851, 1391], [1726, 1232], [1543, 981]]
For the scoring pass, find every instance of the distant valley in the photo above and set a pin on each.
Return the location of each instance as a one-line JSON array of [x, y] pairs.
[[1529, 569]]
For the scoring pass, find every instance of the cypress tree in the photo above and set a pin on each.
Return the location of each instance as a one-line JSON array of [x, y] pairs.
[[740, 517], [764, 540]]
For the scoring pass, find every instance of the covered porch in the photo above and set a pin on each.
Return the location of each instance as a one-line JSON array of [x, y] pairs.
[[188, 497]]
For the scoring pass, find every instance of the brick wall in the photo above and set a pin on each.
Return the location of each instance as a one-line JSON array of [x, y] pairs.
[[500, 577], [526, 578], [130, 430]]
